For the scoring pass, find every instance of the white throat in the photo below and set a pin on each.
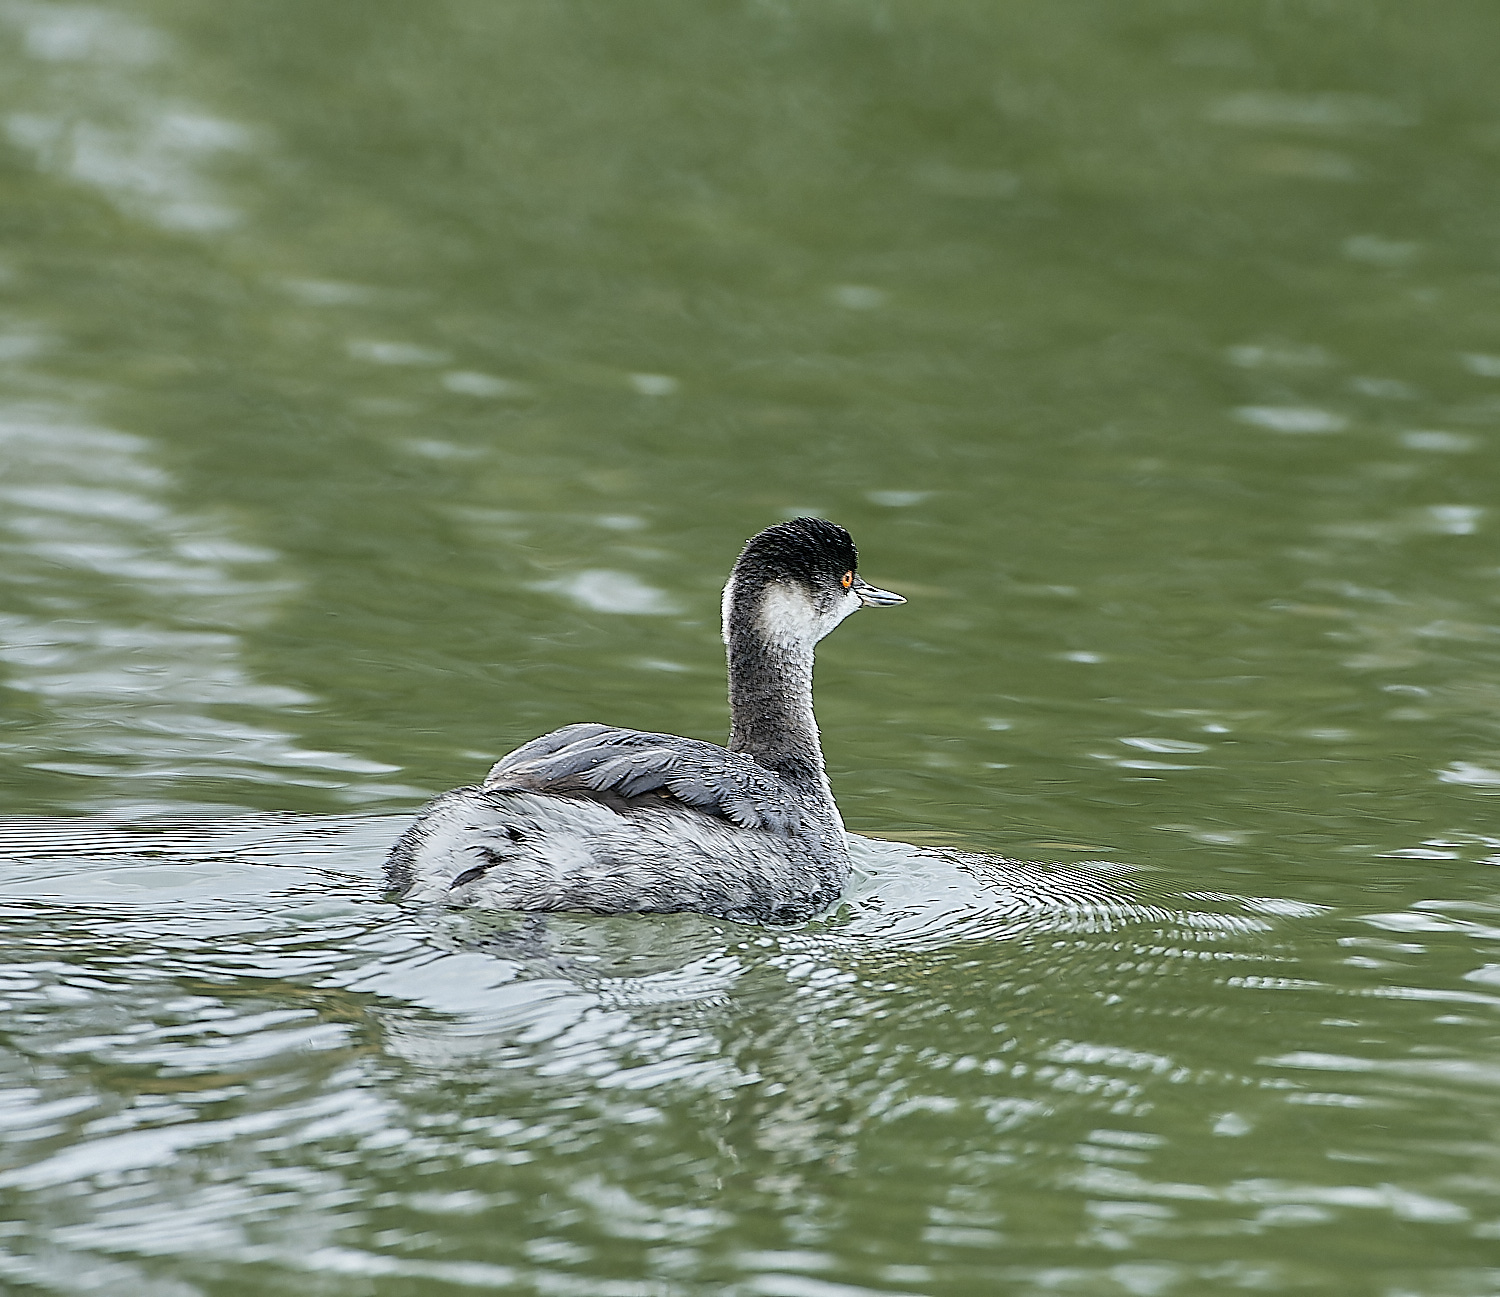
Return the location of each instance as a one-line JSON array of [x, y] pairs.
[[788, 619], [786, 616]]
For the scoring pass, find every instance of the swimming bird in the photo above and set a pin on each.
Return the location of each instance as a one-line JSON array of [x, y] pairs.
[[596, 819]]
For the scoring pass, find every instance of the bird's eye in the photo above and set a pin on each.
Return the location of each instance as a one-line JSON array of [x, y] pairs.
[[846, 580]]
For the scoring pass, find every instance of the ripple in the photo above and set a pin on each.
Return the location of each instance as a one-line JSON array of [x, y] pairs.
[[1165, 745], [289, 1044], [1330, 111], [1298, 419], [654, 384], [900, 897], [1471, 775], [376, 352], [602, 590], [84, 507], [78, 33], [1278, 356], [95, 114], [468, 382], [1437, 442]]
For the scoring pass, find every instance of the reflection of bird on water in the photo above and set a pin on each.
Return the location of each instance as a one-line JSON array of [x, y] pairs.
[[611, 821]]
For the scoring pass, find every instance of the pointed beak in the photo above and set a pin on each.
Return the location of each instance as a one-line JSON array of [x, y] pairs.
[[872, 596]]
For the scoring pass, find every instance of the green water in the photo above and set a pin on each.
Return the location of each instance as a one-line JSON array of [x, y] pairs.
[[382, 385]]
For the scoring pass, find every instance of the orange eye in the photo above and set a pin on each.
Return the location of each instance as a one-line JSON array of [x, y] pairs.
[[846, 580]]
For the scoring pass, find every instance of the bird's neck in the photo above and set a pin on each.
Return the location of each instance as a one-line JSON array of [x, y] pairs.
[[771, 696]]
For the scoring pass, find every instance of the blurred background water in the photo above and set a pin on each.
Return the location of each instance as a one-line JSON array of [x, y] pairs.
[[382, 385]]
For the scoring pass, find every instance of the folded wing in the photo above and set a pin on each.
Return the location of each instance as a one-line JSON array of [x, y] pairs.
[[633, 763]]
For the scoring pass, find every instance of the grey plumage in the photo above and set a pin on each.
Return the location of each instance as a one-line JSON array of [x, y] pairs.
[[598, 819], [632, 763]]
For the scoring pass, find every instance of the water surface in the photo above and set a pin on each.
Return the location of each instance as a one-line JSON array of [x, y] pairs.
[[383, 386]]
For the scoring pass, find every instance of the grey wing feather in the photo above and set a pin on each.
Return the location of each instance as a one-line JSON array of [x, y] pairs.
[[632, 773], [547, 743], [635, 762]]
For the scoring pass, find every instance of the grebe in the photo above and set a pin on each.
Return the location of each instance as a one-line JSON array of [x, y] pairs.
[[603, 820]]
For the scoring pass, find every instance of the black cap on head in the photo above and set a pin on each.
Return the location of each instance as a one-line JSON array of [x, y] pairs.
[[810, 550]]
